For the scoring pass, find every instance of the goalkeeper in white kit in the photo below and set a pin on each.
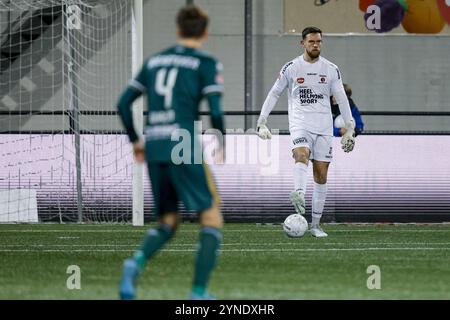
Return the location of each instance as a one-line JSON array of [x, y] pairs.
[[310, 80]]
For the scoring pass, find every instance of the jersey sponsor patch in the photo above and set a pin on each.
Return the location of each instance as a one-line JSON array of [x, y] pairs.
[[173, 60], [160, 132], [307, 96]]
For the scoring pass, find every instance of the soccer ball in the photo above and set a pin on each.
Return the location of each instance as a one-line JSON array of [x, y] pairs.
[[295, 226]]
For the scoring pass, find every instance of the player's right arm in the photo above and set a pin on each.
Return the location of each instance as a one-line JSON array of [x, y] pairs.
[[270, 102], [136, 87]]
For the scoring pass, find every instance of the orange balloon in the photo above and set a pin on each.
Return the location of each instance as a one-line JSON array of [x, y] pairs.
[[363, 4], [423, 16]]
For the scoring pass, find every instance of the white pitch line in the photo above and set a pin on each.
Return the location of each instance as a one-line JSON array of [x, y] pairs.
[[227, 244], [326, 249], [194, 230], [230, 250], [69, 245], [334, 243]]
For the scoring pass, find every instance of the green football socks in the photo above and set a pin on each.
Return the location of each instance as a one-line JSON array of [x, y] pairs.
[[208, 250], [154, 240]]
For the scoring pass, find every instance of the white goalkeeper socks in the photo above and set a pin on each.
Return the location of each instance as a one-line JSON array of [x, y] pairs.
[[300, 177], [318, 202]]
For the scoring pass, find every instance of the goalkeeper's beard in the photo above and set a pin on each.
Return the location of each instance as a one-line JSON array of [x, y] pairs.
[[313, 54]]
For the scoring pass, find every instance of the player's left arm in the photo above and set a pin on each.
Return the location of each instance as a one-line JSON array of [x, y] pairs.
[[337, 90], [212, 83]]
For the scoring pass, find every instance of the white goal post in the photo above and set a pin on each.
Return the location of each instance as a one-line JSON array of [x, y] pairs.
[[137, 59]]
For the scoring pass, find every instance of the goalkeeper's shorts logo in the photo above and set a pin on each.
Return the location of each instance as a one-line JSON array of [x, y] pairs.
[[300, 140]]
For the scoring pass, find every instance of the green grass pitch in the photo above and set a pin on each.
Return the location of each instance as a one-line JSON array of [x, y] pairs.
[[257, 262]]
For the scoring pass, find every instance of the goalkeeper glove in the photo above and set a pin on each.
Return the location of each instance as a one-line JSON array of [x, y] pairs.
[[348, 139], [262, 130]]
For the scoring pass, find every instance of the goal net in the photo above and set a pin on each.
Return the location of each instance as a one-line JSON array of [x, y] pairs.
[[63, 154]]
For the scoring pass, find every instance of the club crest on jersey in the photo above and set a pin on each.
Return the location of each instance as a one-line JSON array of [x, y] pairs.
[[323, 80], [300, 80]]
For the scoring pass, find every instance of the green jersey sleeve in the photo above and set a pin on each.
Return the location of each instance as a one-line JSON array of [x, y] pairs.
[[136, 87], [139, 82], [212, 88], [211, 77]]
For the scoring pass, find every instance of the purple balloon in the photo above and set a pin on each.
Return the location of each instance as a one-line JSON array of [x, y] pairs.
[[392, 14]]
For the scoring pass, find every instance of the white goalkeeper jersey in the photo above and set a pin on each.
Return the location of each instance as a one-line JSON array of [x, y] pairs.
[[310, 86]]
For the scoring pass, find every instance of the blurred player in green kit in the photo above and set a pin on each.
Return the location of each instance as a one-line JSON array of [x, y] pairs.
[[175, 81]]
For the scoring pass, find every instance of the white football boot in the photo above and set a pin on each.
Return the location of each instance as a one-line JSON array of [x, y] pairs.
[[298, 201], [316, 231]]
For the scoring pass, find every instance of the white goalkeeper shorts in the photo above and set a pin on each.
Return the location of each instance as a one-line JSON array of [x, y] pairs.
[[320, 146]]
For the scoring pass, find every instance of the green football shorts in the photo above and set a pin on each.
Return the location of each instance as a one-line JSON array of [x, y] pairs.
[[193, 184]]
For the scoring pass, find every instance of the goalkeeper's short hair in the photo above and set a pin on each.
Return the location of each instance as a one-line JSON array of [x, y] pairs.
[[309, 30]]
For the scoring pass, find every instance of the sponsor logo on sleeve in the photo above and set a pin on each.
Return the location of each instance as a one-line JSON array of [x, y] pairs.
[[285, 67]]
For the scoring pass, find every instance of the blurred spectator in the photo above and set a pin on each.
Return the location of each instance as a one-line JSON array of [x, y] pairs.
[[359, 125]]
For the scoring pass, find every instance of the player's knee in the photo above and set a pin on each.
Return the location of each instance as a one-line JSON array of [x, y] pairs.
[[171, 219], [301, 155], [320, 173], [211, 217], [320, 177], [213, 221]]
